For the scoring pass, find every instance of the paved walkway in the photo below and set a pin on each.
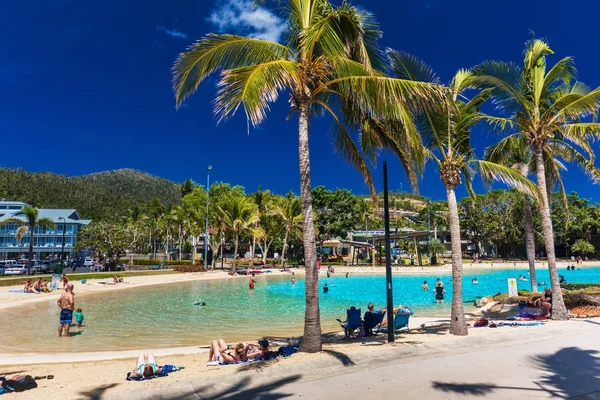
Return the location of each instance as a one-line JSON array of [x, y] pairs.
[[558, 360]]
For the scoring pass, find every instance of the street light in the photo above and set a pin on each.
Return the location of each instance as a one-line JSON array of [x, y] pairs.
[[62, 251], [206, 234]]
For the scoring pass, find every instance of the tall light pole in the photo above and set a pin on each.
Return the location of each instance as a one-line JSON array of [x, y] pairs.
[[388, 259], [62, 251], [206, 232]]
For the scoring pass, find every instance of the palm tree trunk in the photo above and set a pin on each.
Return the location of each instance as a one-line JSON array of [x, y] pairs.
[[32, 227], [559, 311], [311, 342], [458, 325], [180, 241], [285, 239], [235, 251], [530, 241], [251, 263]]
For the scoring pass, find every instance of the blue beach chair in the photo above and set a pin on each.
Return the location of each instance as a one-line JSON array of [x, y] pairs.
[[400, 322], [373, 320], [352, 322]]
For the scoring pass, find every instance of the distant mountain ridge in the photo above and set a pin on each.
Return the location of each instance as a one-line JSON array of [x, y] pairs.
[[100, 195]]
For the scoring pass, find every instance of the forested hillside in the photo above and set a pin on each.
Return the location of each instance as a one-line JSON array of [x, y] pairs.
[[102, 195]]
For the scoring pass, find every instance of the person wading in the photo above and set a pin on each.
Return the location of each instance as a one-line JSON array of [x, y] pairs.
[[66, 303]]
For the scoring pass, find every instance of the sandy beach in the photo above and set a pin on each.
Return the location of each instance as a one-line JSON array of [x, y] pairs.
[[81, 375]]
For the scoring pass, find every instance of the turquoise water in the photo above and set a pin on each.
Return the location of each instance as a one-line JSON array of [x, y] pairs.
[[164, 315]]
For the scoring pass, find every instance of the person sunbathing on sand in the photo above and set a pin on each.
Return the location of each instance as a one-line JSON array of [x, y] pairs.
[[146, 366], [258, 350], [221, 352]]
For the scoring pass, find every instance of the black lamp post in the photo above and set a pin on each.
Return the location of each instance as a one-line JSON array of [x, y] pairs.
[[206, 232], [388, 257]]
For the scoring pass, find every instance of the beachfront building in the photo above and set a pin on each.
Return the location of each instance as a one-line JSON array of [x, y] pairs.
[[47, 243]]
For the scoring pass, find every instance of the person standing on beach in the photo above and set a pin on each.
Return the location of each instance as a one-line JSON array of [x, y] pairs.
[[251, 281], [66, 303], [293, 278]]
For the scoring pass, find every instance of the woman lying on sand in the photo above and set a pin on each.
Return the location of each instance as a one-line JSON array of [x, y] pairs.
[[221, 352], [146, 366]]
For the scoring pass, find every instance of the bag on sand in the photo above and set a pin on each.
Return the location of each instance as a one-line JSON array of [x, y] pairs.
[[21, 385]]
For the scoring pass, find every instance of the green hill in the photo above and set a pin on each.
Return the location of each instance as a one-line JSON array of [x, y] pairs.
[[102, 195]]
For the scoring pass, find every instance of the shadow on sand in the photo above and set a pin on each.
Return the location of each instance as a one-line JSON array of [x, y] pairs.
[[241, 390], [96, 393], [569, 372]]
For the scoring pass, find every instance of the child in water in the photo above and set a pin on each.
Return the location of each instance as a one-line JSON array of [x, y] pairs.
[[251, 281], [325, 289], [78, 317]]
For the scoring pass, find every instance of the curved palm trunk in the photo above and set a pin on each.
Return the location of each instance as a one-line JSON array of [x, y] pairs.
[[458, 325], [559, 311], [32, 227], [311, 342], [285, 240], [530, 241]]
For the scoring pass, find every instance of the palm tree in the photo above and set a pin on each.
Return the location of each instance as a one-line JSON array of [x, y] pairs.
[[19, 235], [180, 217], [514, 151], [434, 248], [291, 212], [366, 209], [331, 59], [238, 215], [550, 109], [260, 200], [446, 135], [31, 220]]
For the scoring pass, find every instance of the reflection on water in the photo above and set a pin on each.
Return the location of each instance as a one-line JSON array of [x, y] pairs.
[[165, 316]]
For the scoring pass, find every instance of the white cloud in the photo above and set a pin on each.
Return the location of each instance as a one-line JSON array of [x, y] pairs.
[[242, 16], [172, 32]]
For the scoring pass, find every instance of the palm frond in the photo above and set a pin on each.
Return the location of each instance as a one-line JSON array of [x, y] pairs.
[[12, 220], [253, 87], [221, 52], [407, 66], [45, 223], [509, 176], [346, 147], [505, 79]]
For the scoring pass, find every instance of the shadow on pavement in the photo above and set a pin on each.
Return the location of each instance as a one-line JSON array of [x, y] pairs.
[[569, 372], [96, 393], [592, 322], [343, 358], [241, 390]]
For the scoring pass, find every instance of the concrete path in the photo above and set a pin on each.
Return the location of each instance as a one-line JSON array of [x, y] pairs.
[[558, 360]]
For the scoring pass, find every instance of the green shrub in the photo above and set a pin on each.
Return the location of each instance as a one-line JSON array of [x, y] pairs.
[[154, 262], [579, 286], [580, 300], [188, 268]]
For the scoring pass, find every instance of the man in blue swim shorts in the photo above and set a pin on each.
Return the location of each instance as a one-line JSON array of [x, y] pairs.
[[66, 303]]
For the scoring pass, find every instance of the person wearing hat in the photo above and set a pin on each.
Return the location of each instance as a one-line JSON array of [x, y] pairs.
[[258, 350]]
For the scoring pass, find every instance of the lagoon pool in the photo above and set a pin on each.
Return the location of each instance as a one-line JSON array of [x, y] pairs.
[[164, 315]]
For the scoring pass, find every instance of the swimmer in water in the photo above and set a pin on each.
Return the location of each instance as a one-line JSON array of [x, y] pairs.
[[293, 279]]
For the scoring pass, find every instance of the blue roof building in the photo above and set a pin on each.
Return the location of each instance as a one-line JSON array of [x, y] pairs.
[[46, 242]]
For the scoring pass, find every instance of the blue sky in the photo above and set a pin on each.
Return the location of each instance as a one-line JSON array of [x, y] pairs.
[[85, 85]]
